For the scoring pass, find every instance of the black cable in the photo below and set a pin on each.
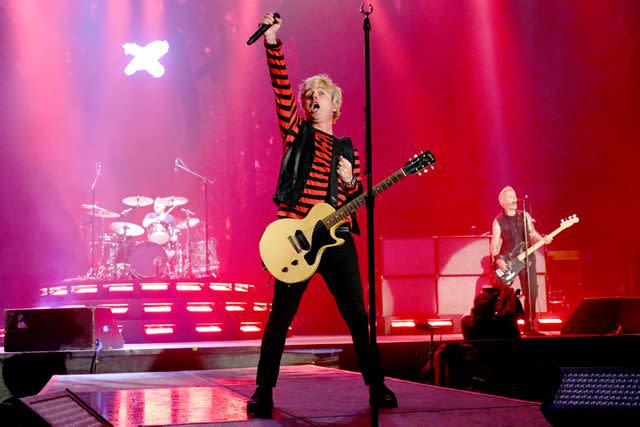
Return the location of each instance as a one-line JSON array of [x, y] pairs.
[[96, 355]]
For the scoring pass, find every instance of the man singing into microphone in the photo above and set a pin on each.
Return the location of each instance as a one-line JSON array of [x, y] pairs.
[[316, 167], [507, 235]]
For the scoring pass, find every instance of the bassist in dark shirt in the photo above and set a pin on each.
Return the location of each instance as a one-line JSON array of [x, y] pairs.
[[507, 240]]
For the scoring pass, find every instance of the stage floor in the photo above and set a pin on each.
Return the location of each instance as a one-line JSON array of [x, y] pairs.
[[305, 395]]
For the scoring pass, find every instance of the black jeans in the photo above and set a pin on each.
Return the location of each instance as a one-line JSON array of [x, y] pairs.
[[530, 292], [339, 269]]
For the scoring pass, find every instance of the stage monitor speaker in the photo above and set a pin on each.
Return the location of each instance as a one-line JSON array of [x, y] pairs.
[[600, 316], [408, 296], [47, 329], [408, 257], [593, 396], [61, 409]]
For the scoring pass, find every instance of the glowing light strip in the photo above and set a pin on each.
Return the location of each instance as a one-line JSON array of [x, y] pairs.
[[154, 286], [157, 308], [200, 307], [403, 324], [242, 287], [120, 287], [58, 290], [217, 286], [440, 322], [260, 306], [235, 306], [250, 327], [158, 329], [208, 328], [84, 289], [186, 286], [549, 321], [117, 308]]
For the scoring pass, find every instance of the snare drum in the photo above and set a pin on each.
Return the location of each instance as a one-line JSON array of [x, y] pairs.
[[148, 259], [159, 232]]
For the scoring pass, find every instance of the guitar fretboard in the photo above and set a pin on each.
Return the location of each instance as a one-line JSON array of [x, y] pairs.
[[342, 213]]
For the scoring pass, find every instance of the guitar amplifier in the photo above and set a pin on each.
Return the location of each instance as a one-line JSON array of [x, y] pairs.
[[48, 329]]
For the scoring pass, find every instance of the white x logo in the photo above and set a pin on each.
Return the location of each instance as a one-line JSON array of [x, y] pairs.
[[146, 58]]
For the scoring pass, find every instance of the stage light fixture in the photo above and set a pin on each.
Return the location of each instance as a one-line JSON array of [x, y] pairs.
[[146, 58], [159, 329], [154, 286]]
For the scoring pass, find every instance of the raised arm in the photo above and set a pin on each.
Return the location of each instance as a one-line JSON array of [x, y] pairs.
[[286, 105]]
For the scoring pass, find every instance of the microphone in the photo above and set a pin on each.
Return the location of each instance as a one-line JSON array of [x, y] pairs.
[[98, 173], [126, 211], [523, 198], [261, 30], [187, 211]]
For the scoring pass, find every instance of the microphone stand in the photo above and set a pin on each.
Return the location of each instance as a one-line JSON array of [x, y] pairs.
[[180, 164], [92, 270], [373, 342], [526, 261]]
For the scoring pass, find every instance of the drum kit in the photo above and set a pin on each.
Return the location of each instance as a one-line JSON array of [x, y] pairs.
[[160, 248]]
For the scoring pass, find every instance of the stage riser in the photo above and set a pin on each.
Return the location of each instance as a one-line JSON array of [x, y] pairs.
[[522, 364]]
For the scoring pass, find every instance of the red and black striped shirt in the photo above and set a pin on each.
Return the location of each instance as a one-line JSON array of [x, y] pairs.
[[289, 120]]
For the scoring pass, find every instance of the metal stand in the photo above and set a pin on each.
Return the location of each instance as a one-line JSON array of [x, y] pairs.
[[179, 163], [92, 270], [525, 227], [373, 340]]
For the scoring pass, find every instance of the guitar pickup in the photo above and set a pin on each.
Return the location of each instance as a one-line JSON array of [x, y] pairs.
[[294, 243], [302, 240]]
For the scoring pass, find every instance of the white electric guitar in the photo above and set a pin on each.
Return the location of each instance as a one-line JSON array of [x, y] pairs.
[[291, 249]]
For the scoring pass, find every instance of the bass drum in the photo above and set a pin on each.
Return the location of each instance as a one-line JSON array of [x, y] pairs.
[[148, 260]]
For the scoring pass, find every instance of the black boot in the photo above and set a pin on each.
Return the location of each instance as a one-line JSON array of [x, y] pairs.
[[260, 405], [381, 397]]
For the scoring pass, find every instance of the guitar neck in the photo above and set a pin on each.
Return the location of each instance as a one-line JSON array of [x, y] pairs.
[[342, 213], [538, 244]]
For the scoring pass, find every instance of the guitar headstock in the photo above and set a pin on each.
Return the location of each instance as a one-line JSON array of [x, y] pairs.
[[419, 163], [569, 221]]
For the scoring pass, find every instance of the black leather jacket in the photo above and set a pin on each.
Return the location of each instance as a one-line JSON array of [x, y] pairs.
[[296, 165]]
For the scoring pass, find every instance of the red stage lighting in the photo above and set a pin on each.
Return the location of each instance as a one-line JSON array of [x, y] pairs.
[[200, 307], [154, 286], [119, 287], [164, 307], [117, 308], [207, 328], [159, 329], [188, 286]]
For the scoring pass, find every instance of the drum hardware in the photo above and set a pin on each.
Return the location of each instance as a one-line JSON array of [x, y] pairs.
[[99, 212], [126, 228], [137, 201], [179, 164], [174, 201]]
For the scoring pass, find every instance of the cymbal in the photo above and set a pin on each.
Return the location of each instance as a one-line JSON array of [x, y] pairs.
[[99, 212], [137, 201], [126, 228], [191, 222], [174, 201]]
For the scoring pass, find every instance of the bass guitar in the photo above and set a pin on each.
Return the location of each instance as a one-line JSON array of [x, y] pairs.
[[516, 262], [291, 249]]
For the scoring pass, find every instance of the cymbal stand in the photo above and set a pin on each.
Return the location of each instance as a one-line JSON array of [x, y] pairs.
[[205, 181], [92, 271], [189, 270]]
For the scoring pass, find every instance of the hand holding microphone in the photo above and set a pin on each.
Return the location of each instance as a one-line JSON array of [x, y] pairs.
[[269, 26]]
